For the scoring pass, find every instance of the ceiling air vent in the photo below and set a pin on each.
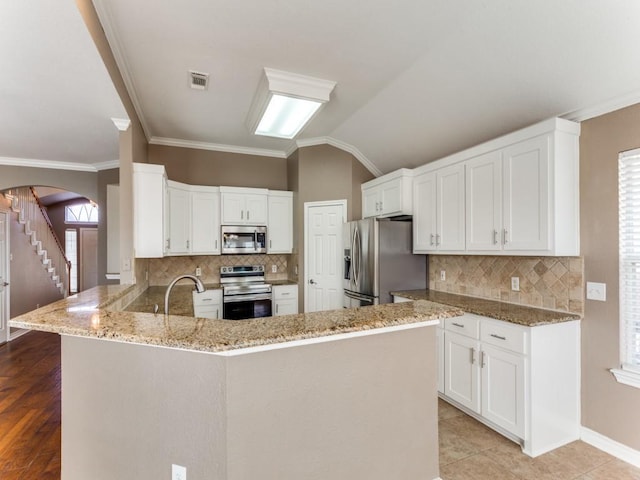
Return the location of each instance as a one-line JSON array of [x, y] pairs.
[[198, 80]]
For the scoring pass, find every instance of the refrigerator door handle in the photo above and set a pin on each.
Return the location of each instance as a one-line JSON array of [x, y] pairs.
[[357, 257]]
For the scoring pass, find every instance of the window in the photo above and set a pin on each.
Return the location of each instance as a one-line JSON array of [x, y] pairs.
[[629, 230], [81, 213]]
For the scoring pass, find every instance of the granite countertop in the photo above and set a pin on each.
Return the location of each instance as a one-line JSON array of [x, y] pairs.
[[92, 313], [508, 312]]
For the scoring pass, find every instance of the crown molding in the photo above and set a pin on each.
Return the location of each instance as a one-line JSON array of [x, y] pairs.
[[33, 163], [216, 147], [116, 48], [121, 124], [108, 165], [309, 142], [608, 106]]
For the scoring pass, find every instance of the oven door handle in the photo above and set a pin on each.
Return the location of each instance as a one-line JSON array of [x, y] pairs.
[[246, 298]]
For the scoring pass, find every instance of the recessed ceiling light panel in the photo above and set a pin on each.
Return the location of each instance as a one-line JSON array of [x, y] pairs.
[[285, 103]]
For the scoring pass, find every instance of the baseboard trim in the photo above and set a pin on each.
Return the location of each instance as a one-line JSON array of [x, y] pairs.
[[610, 446]]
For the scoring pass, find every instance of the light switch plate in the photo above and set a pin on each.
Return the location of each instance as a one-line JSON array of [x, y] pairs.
[[597, 291]]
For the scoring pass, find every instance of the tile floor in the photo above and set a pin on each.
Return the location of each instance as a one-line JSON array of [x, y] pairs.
[[469, 450]]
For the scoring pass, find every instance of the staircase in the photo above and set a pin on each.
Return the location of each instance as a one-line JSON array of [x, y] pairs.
[[37, 226]]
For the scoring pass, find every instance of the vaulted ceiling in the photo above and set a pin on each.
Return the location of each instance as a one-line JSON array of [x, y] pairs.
[[416, 80]]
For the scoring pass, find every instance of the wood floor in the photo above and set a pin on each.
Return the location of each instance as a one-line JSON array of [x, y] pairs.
[[30, 408]]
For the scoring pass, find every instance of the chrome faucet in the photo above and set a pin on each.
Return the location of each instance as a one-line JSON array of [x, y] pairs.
[[199, 288]]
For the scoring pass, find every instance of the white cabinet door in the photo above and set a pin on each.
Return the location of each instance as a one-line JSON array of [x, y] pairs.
[[280, 227], [391, 197], [244, 208], [450, 212], [483, 177], [179, 220], [256, 209], [503, 388], [149, 205], [233, 209], [207, 304], [205, 223], [370, 202], [424, 213], [526, 195], [462, 370], [285, 299]]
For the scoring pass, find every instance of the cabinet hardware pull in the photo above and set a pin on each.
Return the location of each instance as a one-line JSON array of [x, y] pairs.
[[505, 238], [483, 363], [432, 239], [277, 307], [270, 244], [241, 214], [499, 337], [187, 244], [216, 247], [473, 356], [437, 239], [217, 314], [457, 324], [248, 214], [207, 299], [495, 237]]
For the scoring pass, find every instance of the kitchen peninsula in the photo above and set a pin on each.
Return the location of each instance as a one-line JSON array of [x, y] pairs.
[[341, 394]]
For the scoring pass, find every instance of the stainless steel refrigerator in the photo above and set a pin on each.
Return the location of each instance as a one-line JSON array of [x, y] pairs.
[[378, 260]]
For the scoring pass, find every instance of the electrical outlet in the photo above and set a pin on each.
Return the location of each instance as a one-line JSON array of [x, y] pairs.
[[515, 284], [597, 291], [274, 269], [198, 271], [178, 472], [443, 275]]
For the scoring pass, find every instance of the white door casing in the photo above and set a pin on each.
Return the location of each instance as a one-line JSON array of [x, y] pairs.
[[323, 223], [4, 277]]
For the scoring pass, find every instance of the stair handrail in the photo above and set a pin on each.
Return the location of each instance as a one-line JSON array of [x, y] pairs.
[[61, 250]]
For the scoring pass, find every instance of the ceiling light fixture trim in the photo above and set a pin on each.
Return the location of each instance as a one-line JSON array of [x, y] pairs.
[[286, 102]]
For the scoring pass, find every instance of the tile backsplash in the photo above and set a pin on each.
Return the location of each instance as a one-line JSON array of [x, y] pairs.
[[163, 270], [555, 283]]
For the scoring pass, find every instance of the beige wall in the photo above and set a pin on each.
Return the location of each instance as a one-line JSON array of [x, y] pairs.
[[84, 183], [322, 173], [356, 408], [205, 167], [608, 407]]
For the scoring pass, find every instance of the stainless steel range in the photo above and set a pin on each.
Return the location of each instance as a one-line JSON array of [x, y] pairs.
[[245, 294]]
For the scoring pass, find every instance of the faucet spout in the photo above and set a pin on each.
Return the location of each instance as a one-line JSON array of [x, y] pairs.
[[199, 288]]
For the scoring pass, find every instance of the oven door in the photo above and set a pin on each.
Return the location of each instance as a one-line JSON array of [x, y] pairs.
[[240, 307]]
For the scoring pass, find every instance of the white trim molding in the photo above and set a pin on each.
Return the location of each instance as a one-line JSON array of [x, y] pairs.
[[617, 449], [121, 124], [104, 15], [608, 106], [216, 147], [34, 163], [627, 377], [309, 142]]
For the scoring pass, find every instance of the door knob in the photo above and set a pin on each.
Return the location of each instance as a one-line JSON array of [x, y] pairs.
[[312, 281], [5, 284]]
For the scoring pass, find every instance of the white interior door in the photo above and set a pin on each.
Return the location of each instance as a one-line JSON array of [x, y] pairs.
[[4, 277], [323, 256], [88, 258]]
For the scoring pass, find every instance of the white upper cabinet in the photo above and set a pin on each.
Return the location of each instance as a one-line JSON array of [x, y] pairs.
[[149, 199], [438, 211], [179, 219], [483, 177], [521, 196], [389, 195], [244, 206], [280, 228], [205, 220]]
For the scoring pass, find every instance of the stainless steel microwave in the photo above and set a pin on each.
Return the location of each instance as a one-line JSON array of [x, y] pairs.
[[243, 239]]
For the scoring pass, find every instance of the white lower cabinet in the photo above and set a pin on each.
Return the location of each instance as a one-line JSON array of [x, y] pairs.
[[285, 300], [522, 381], [207, 304]]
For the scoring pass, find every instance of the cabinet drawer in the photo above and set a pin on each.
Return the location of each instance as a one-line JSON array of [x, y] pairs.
[[468, 325], [213, 311], [208, 297], [505, 335], [285, 292]]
